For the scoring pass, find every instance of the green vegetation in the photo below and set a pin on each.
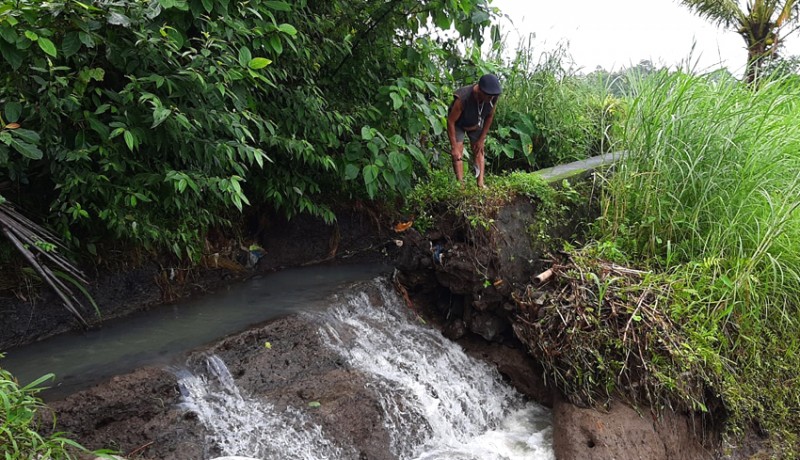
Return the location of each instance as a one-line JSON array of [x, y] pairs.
[[704, 208], [20, 425], [688, 295], [549, 115], [149, 122], [709, 195], [441, 194]]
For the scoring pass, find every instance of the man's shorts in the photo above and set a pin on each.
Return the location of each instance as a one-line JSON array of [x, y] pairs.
[[473, 135]]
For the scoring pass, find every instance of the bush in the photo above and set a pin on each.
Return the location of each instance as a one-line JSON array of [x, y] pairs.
[[20, 426]]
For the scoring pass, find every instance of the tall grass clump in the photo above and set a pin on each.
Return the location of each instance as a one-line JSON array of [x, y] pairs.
[[708, 195], [21, 425], [548, 114]]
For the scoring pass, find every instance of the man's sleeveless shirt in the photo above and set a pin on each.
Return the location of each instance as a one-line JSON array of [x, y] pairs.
[[469, 107]]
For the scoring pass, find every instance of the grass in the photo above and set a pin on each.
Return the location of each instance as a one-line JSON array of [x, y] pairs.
[[21, 426], [708, 197], [548, 114]]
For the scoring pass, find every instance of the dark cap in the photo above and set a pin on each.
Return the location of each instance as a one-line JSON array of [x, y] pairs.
[[490, 85]]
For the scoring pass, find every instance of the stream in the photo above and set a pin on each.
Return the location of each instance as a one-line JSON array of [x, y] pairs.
[[437, 402], [161, 336]]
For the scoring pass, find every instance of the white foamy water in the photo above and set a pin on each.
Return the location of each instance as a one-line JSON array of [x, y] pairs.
[[438, 402], [245, 426]]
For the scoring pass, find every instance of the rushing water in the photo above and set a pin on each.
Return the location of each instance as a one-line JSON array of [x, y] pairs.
[[161, 335], [438, 402], [243, 425]]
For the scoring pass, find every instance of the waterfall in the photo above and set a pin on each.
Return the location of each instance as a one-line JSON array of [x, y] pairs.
[[246, 426], [438, 402]]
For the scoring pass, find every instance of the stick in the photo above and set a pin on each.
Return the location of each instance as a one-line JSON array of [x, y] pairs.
[[544, 276]]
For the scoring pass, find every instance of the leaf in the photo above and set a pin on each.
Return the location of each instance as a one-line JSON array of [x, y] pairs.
[[267, 345], [258, 63], [129, 140], [86, 39], [417, 154], [31, 35], [245, 56], [118, 19], [27, 135], [12, 55], [275, 43], [288, 29], [208, 5], [314, 404], [159, 115], [527, 144], [403, 226], [11, 126], [47, 46], [27, 150], [396, 161], [278, 6], [366, 133], [350, 171], [71, 44], [8, 34], [397, 101], [370, 174], [13, 110], [176, 37]]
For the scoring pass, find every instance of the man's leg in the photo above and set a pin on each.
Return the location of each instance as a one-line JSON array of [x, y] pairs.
[[458, 163], [478, 159], [457, 152]]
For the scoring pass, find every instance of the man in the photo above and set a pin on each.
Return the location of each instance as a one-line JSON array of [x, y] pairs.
[[472, 113]]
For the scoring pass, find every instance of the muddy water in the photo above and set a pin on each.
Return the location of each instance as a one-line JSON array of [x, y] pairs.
[[161, 335]]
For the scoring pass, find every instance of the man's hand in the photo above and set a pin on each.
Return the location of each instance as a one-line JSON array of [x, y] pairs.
[[479, 144]]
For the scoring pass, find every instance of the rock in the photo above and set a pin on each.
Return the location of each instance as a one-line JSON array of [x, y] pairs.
[[488, 326], [454, 330], [622, 434], [234, 458]]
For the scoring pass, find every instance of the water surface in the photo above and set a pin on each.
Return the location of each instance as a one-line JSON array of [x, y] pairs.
[[161, 335]]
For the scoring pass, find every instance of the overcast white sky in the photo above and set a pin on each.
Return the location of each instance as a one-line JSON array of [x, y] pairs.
[[619, 33]]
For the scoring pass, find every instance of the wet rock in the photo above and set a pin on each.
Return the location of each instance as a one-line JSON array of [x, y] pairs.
[[488, 326], [454, 330], [516, 366], [299, 369], [134, 413], [139, 413]]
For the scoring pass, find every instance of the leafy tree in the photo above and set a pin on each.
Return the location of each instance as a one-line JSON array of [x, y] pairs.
[[150, 121], [759, 22]]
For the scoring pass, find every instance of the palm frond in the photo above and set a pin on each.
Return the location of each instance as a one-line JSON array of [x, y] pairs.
[[31, 241], [727, 13], [789, 11]]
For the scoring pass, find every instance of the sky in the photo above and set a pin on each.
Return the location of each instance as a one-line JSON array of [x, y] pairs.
[[615, 34]]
